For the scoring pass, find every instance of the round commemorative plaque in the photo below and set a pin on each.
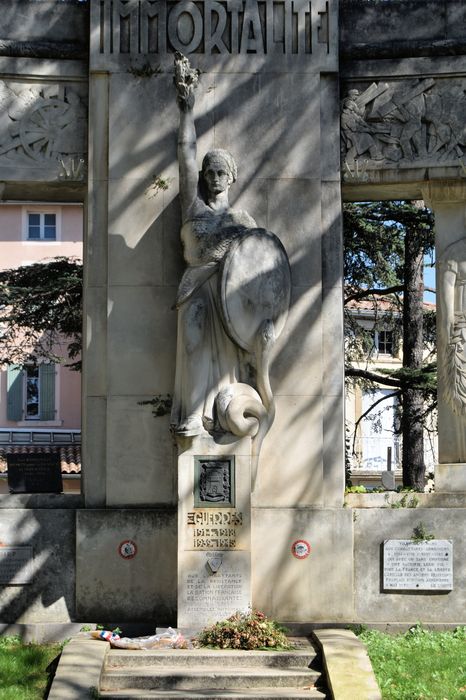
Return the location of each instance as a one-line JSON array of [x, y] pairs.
[[301, 549], [127, 549], [255, 286]]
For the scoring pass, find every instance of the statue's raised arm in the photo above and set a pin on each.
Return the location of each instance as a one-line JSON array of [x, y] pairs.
[[233, 297], [186, 80]]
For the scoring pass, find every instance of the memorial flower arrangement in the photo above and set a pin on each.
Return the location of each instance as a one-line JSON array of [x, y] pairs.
[[250, 630]]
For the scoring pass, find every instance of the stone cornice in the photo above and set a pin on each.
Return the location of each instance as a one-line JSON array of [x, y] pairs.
[[447, 191], [43, 49]]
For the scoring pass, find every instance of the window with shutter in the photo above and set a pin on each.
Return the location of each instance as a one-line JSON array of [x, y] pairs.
[[15, 393], [31, 393], [47, 392]]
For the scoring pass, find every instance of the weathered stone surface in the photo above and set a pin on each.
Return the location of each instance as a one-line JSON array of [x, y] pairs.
[[49, 596], [139, 587], [79, 671], [404, 124], [400, 29], [371, 530], [348, 667], [29, 21], [295, 590], [214, 543], [144, 456]]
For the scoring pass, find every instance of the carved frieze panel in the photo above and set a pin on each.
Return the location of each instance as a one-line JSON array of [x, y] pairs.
[[403, 124], [43, 127], [128, 30], [452, 325]]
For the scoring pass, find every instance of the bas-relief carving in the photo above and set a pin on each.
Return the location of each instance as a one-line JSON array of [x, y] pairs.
[[452, 325], [136, 27], [43, 127], [232, 300], [407, 123]]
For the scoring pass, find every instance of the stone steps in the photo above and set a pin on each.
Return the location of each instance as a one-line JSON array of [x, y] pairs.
[[189, 658], [214, 678], [244, 694], [216, 674]]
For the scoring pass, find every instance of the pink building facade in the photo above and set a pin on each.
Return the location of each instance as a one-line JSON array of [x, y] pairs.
[[48, 396]]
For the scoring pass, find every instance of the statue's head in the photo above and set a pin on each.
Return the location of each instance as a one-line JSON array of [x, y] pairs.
[[219, 170]]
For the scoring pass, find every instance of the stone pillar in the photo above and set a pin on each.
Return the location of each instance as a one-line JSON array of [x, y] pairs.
[[448, 201], [214, 529]]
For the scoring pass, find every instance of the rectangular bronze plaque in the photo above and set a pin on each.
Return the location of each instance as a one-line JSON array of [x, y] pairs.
[[214, 482], [34, 473]]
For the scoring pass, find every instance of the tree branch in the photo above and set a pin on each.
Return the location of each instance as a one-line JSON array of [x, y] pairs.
[[371, 376], [363, 293], [363, 415]]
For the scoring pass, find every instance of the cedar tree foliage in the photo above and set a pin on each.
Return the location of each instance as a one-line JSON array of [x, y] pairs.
[[41, 313]]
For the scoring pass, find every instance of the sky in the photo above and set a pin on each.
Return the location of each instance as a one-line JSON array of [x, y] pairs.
[[429, 279]]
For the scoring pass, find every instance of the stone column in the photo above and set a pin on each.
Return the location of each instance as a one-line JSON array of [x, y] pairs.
[[448, 201], [214, 529]]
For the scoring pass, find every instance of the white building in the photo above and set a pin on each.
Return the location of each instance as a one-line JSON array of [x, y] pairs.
[[372, 414]]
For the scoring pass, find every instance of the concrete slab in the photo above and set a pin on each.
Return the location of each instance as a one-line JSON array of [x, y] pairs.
[[349, 670], [79, 670]]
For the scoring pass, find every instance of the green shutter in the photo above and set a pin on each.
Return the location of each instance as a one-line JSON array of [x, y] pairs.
[[47, 392], [14, 404]]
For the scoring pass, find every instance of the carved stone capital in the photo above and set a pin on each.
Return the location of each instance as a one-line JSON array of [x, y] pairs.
[[444, 191]]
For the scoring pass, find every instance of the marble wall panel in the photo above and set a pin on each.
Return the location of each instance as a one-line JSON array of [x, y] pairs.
[[141, 340], [290, 465], [141, 468], [303, 590]]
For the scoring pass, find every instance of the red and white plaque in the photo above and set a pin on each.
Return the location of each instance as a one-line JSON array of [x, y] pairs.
[[127, 549], [301, 549]]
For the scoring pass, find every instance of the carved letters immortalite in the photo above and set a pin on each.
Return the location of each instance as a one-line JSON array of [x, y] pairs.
[[404, 123], [43, 127], [229, 27]]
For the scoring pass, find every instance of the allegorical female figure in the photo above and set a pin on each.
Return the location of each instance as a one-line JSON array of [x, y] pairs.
[[212, 363]]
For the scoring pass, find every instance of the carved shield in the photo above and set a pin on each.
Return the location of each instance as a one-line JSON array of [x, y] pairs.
[[255, 286]]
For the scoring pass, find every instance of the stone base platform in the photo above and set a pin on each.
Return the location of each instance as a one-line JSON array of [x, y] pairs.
[[193, 674]]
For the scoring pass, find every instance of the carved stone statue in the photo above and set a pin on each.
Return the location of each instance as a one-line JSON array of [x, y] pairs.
[[233, 298], [452, 328]]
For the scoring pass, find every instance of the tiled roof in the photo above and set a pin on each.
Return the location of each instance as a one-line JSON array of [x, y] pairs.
[[70, 455], [381, 304]]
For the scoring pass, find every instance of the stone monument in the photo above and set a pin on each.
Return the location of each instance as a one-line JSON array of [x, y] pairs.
[[232, 303], [242, 500]]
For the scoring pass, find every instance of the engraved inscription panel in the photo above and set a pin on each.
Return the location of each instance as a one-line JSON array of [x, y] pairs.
[[228, 27], [418, 566], [16, 565], [146, 33], [214, 529], [209, 597]]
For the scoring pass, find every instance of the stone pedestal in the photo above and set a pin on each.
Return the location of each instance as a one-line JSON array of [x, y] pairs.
[[448, 201], [214, 529]]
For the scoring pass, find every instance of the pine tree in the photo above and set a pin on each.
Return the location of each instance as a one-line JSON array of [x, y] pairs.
[[385, 245]]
